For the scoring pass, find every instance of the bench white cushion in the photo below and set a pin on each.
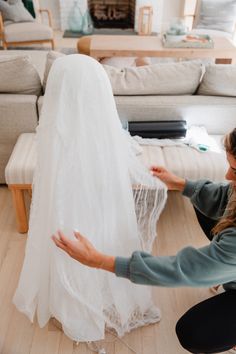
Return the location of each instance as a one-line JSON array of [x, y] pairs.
[[183, 161], [21, 165]]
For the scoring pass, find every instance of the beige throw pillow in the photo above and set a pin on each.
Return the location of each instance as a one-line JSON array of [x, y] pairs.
[[19, 76], [51, 56], [218, 80], [158, 79]]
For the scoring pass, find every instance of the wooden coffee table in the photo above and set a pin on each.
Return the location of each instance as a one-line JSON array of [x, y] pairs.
[[151, 46]]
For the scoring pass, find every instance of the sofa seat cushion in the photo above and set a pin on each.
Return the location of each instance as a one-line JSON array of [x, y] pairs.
[[217, 114], [196, 110], [27, 31]]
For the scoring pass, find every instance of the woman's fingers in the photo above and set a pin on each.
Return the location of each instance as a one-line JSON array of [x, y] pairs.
[[157, 169], [59, 244], [78, 235]]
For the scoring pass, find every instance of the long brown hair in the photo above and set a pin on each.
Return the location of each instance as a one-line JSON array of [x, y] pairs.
[[229, 217]]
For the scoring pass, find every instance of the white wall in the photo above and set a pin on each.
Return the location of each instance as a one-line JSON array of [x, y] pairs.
[[52, 5], [171, 9]]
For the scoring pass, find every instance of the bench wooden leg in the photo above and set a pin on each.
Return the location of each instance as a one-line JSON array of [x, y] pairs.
[[20, 210]]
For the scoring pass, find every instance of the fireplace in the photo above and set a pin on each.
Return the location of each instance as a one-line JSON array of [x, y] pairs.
[[112, 13], [67, 5]]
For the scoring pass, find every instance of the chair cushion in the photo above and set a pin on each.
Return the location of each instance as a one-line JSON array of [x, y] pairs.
[[219, 80], [18, 75], [27, 31], [15, 11], [217, 15], [158, 79]]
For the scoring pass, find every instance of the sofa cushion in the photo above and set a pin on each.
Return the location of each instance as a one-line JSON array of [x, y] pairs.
[[15, 11], [219, 80], [27, 31], [19, 76], [217, 114], [51, 56], [158, 79], [217, 14], [196, 110], [37, 58]]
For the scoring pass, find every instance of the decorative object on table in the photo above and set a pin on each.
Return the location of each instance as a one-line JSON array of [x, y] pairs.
[[145, 20], [177, 30], [75, 18], [189, 41], [87, 23]]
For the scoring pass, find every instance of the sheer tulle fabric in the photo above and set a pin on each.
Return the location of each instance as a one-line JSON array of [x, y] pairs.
[[83, 180]]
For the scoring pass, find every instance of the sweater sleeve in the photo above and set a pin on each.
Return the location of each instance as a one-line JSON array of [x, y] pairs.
[[207, 266], [208, 197]]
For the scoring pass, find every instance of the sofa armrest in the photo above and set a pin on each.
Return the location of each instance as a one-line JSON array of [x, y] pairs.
[[48, 12]]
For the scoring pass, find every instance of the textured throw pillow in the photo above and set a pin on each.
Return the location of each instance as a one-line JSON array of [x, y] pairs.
[[158, 79], [51, 56], [218, 80], [15, 11], [217, 15], [19, 76]]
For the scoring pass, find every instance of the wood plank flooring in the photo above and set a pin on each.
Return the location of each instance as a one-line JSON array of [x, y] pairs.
[[177, 227]]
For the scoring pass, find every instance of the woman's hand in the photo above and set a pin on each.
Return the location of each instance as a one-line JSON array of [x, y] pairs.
[[83, 251], [172, 181]]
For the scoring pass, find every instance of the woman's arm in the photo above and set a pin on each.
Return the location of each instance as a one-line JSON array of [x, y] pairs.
[[207, 266], [208, 197], [83, 251]]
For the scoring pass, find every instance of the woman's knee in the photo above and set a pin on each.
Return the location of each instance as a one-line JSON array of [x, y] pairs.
[[187, 334]]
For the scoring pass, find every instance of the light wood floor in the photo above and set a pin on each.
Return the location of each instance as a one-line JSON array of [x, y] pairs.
[[177, 227]]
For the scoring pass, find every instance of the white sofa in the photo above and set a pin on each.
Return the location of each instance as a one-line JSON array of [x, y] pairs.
[[19, 113]]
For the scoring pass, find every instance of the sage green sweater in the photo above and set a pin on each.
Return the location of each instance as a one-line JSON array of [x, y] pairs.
[[196, 267]]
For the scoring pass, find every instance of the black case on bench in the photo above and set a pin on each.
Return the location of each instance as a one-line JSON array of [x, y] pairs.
[[159, 129]]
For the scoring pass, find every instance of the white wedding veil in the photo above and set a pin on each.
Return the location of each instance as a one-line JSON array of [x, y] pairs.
[[83, 180]]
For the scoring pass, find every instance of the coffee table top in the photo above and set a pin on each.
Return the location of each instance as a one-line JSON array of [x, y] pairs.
[[110, 45]]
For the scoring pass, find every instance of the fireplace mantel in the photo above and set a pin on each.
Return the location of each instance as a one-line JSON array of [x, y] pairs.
[[66, 5]]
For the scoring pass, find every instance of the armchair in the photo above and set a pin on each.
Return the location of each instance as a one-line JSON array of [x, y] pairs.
[[192, 14], [27, 33]]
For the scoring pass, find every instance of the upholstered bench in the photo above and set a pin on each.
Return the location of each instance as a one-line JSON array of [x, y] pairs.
[[19, 176], [183, 161]]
